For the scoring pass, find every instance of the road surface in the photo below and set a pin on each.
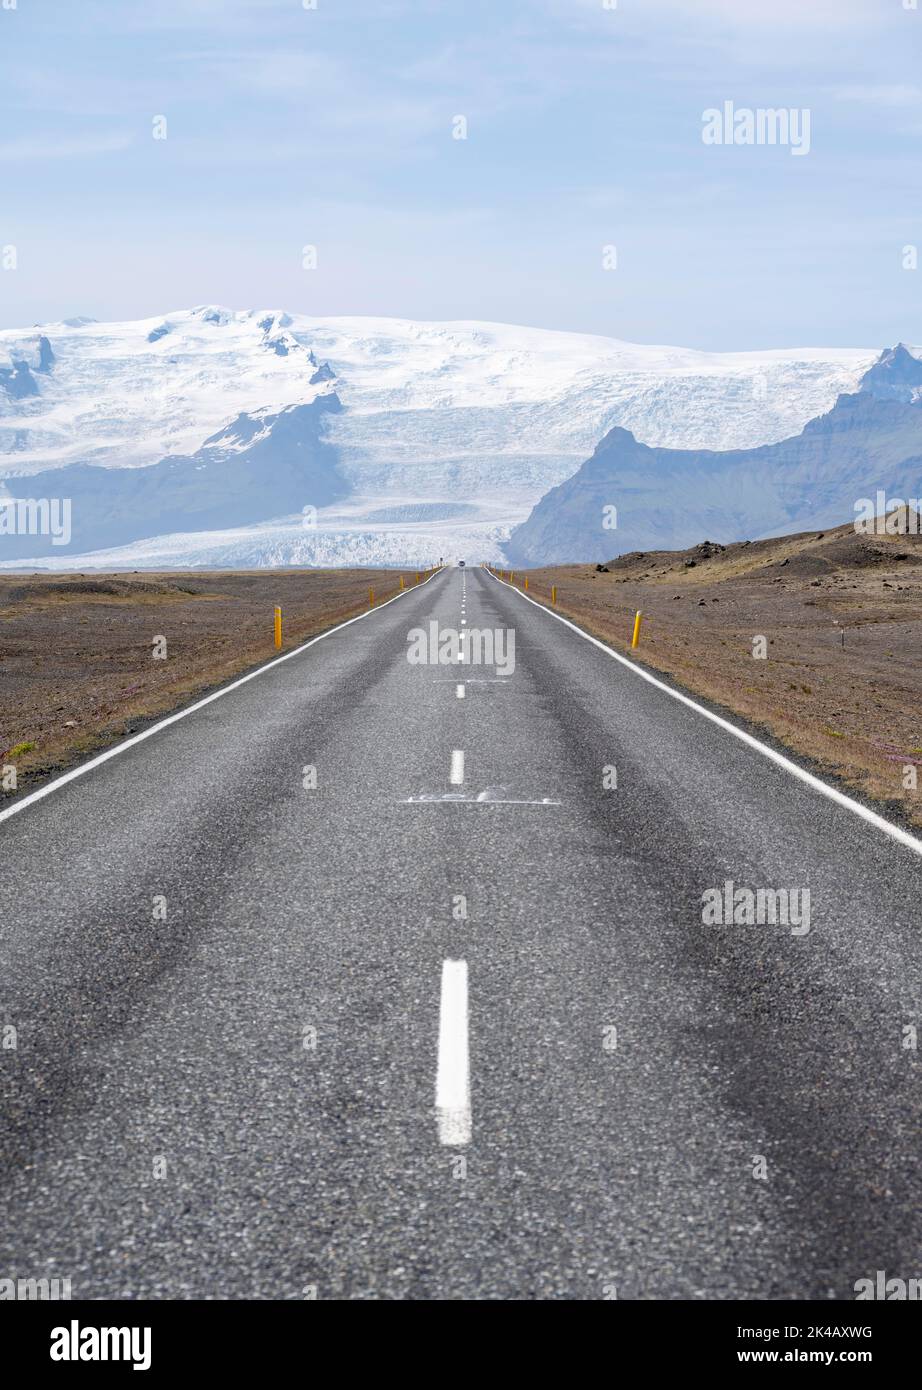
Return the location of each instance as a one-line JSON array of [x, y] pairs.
[[449, 1024]]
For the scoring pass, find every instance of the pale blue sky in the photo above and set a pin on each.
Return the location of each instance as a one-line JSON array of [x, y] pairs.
[[333, 127]]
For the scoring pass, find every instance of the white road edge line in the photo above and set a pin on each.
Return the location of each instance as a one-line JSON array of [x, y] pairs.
[[895, 832], [453, 1079], [80, 771], [456, 775]]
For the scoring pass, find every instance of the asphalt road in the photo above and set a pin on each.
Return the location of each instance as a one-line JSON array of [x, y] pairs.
[[240, 1101]]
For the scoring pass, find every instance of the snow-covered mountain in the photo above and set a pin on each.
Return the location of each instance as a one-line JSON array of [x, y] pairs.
[[262, 462], [431, 438], [670, 498]]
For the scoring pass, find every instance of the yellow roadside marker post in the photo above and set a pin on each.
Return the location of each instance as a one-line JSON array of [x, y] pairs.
[[278, 627], [418, 577], [554, 595], [635, 640], [526, 582], [371, 598], [401, 581]]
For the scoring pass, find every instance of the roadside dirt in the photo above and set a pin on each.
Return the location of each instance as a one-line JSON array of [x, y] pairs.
[[841, 682], [77, 670]]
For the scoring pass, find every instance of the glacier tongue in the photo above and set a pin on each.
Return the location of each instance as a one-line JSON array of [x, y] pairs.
[[344, 539]]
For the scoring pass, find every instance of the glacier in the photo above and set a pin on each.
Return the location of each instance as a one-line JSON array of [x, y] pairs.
[[438, 439]]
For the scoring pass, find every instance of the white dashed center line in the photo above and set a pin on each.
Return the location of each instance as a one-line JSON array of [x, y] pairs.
[[459, 691], [453, 1080], [456, 776]]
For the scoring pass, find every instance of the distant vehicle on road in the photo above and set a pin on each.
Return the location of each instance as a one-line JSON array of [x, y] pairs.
[[460, 564]]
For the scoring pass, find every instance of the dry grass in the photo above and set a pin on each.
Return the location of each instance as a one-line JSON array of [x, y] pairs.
[[76, 666], [848, 703]]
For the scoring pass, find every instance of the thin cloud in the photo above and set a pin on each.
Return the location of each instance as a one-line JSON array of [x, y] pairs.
[[807, 14], [32, 148], [882, 94]]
